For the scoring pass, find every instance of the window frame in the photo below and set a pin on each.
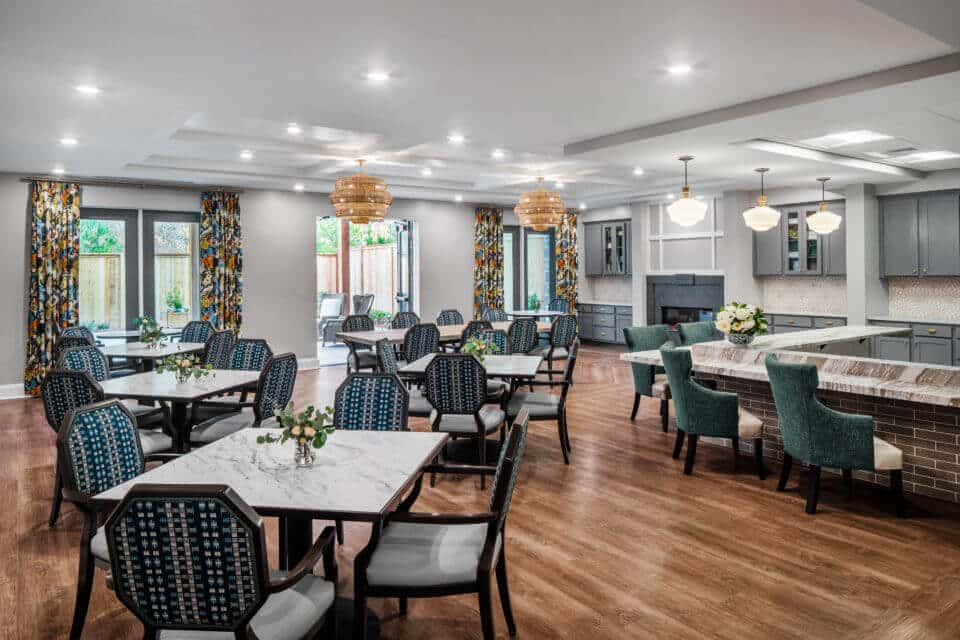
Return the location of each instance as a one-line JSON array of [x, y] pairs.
[[131, 255], [150, 218], [551, 234]]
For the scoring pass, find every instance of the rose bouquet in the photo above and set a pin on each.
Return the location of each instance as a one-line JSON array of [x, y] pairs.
[[309, 429], [184, 366], [479, 348], [741, 322], [150, 332]]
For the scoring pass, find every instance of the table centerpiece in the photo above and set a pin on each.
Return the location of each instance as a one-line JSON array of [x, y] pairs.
[[309, 429], [741, 323]]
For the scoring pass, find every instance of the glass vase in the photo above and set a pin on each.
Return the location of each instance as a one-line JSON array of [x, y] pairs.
[[304, 456]]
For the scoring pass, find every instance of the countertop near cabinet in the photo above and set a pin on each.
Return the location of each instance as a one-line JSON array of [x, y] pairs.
[[606, 302], [907, 320], [913, 382]]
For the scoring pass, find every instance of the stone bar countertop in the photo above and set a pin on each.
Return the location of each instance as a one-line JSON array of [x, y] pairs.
[[913, 382]]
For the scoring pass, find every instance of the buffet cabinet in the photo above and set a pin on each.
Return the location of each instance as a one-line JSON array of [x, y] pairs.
[[920, 235], [784, 323], [604, 322], [927, 343], [793, 249]]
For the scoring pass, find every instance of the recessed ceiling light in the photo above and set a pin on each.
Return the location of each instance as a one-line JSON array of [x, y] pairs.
[[57, 171], [68, 141], [378, 77], [458, 198], [679, 69], [671, 196], [583, 206], [638, 171], [498, 154], [456, 138], [88, 89], [558, 184], [426, 171], [298, 187], [294, 129], [246, 154], [925, 156], [845, 138]]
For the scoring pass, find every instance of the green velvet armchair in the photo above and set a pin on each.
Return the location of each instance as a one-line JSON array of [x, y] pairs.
[[648, 380], [704, 412], [694, 332], [822, 437]]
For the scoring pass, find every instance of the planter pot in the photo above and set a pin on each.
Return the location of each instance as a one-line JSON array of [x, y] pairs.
[[740, 339]]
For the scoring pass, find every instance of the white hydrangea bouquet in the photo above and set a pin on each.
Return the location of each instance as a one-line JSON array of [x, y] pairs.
[[741, 322]]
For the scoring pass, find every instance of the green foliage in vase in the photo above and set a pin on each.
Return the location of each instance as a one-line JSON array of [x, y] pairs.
[[185, 366], [310, 426], [479, 348], [150, 331]]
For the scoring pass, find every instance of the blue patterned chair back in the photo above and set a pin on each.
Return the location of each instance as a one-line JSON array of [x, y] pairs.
[[275, 386], [498, 337], [188, 557], [456, 383], [358, 322], [563, 330], [63, 391], [420, 340], [99, 447], [495, 315], [89, 359], [559, 304], [65, 342], [196, 331], [386, 357], [508, 469], [474, 328], [371, 401], [79, 332], [449, 316], [362, 304], [219, 348], [404, 320], [249, 354], [523, 335]]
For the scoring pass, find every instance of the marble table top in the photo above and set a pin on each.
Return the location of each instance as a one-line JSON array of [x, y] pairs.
[[448, 333], [164, 386], [358, 475], [503, 366], [133, 333], [144, 352], [526, 313], [913, 382]]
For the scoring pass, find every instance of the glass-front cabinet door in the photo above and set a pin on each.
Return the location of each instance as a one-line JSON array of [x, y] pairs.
[[609, 251], [811, 245], [802, 255], [793, 265], [619, 249]]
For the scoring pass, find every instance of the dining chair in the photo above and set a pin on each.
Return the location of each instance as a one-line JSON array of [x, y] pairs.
[[704, 412], [274, 388], [499, 338], [371, 402], [420, 340], [449, 316], [694, 332], [192, 558], [457, 389], [249, 354], [196, 331], [473, 330], [559, 304], [362, 304], [418, 406], [219, 349], [649, 380], [80, 332], [426, 555], [548, 406], [495, 315], [65, 342], [98, 448], [330, 316], [823, 437], [523, 335], [361, 355], [563, 331], [404, 320], [63, 391]]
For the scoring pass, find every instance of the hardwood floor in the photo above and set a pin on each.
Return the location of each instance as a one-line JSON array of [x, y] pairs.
[[617, 545]]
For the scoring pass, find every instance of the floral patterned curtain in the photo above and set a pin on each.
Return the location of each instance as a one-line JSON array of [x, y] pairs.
[[488, 260], [54, 269], [567, 260], [221, 260]]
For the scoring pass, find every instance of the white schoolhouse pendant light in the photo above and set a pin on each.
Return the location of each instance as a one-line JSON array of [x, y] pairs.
[[761, 217], [823, 221], [686, 211]]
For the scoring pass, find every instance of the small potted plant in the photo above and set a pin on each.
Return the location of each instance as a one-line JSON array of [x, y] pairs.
[[184, 366], [479, 348], [533, 302], [741, 322], [309, 429], [176, 312], [150, 332]]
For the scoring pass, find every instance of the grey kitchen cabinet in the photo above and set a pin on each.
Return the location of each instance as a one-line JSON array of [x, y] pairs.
[[768, 251], [892, 348], [932, 351], [899, 242], [920, 235], [593, 249], [604, 323], [607, 248], [791, 248], [834, 245]]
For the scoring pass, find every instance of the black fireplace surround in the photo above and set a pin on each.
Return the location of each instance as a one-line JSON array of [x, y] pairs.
[[683, 298]]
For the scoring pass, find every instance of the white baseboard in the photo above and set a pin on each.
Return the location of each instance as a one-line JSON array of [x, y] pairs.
[[308, 363], [12, 391]]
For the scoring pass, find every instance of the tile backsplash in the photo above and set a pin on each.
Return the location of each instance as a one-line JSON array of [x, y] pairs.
[[805, 295], [924, 298], [612, 290]]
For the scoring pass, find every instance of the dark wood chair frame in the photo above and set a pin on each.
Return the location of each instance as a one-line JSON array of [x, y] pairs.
[[566, 383]]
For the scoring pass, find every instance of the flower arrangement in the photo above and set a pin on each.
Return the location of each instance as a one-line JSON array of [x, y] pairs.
[[741, 322], [184, 366], [479, 348], [309, 428], [150, 332]]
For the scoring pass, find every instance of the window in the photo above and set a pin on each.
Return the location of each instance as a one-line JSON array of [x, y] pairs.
[[540, 268], [511, 274], [171, 277], [108, 269]]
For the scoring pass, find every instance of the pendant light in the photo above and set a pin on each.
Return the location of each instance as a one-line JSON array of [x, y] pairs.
[[686, 211], [361, 198], [540, 209], [823, 221], [761, 217]]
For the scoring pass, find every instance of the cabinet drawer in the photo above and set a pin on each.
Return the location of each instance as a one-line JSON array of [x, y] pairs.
[[826, 323], [932, 331], [604, 334], [786, 329], [585, 308], [625, 312], [890, 348], [604, 320], [622, 323], [793, 321], [603, 308]]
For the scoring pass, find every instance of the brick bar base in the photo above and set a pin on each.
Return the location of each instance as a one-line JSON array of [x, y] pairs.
[[927, 434]]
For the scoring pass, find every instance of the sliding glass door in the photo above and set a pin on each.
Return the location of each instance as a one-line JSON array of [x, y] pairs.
[[540, 269], [171, 267], [108, 285]]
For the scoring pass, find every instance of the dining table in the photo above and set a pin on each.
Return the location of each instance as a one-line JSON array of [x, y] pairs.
[[151, 386], [132, 335], [358, 476], [448, 333], [148, 354], [507, 366]]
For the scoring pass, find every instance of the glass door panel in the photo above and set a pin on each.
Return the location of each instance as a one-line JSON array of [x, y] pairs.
[[380, 265], [608, 249], [103, 274], [620, 249], [171, 267], [812, 253], [540, 278], [794, 261], [509, 291]]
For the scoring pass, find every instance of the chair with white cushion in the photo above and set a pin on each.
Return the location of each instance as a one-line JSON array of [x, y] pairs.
[[206, 573], [824, 437], [419, 406], [424, 555], [704, 412], [649, 380], [360, 356], [563, 331]]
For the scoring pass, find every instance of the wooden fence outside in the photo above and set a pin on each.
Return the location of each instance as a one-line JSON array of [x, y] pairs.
[[373, 269]]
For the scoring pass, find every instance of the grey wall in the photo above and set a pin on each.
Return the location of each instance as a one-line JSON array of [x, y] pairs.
[[13, 274], [735, 249]]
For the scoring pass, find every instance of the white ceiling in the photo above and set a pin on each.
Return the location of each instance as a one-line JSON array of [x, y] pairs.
[[187, 85]]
